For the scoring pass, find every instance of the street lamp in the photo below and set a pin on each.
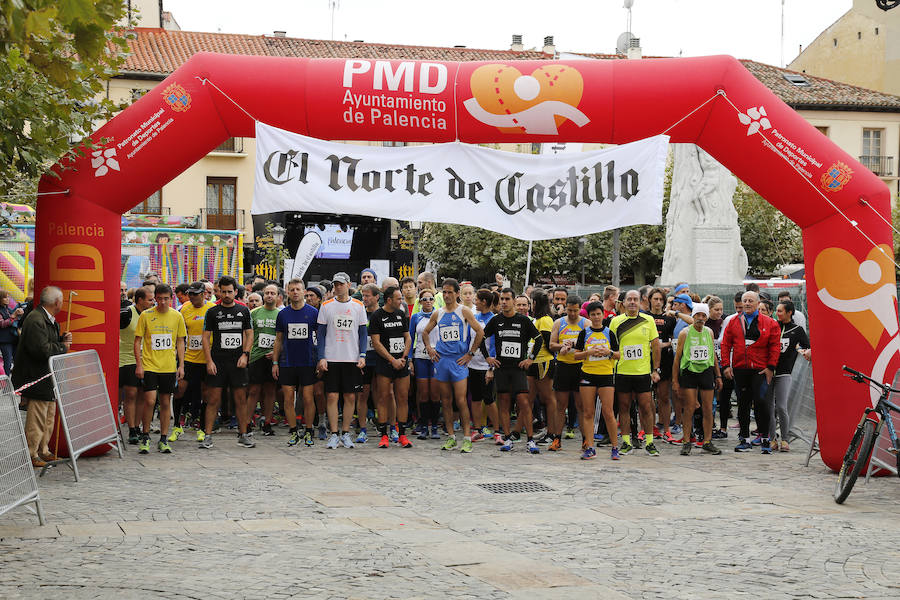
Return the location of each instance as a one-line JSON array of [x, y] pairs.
[[416, 228], [582, 246], [278, 239]]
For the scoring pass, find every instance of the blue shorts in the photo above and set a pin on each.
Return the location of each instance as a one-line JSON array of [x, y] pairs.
[[424, 368], [448, 371]]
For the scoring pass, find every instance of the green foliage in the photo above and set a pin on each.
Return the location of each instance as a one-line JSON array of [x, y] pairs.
[[270, 253], [55, 56], [770, 238]]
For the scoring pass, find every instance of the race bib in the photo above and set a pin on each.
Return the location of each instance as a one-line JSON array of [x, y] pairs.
[[635, 352], [718, 350], [298, 331], [510, 350], [785, 342], [591, 357], [266, 341], [674, 345], [343, 323], [699, 354], [195, 342], [369, 346], [232, 341], [396, 345], [449, 333], [161, 341]]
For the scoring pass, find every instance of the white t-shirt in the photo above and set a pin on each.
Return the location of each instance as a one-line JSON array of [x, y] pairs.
[[342, 335]]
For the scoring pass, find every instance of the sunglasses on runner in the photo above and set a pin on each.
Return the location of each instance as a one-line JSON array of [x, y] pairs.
[[427, 299]]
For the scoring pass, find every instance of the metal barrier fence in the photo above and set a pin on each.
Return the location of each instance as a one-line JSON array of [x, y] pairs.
[[84, 407], [18, 486]]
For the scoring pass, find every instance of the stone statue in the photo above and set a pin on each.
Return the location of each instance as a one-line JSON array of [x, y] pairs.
[[702, 234]]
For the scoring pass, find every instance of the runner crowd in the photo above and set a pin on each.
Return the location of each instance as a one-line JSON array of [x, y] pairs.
[[390, 361]]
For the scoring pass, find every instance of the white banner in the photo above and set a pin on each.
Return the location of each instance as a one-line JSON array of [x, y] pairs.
[[306, 251], [526, 196]]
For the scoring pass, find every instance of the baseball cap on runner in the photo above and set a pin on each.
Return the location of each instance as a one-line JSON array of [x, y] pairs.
[[196, 288], [684, 299], [700, 308], [340, 278], [681, 286]]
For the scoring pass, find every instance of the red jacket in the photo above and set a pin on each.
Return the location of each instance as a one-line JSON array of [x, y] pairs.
[[756, 347]]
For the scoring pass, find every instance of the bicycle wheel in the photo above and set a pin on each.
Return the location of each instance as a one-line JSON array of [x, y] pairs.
[[855, 459]]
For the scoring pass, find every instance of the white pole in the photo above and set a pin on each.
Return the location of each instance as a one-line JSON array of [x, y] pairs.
[[528, 265]]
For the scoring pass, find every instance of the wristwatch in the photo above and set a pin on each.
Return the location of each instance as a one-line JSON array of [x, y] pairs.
[[470, 353]]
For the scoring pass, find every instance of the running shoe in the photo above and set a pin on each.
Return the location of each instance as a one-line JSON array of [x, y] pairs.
[[507, 445], [765, 446], [516, 436], [656, 434], [456, 425], [232, 424], [346, 440], [450, 444], [669, 437], [404, 442], [651, 449], [603, 441], [267, 430], [555, 445], [743, 446], [588, 453], [486, 432], [498, 439], [533, 448], [206, 443], [625, 448], [176, 433], [423, 433], [640, 436], [333, 441], [363, 437], [246, 441], [466, 447], [164, 447], [785, 447], [477, 436], [308, 439], [394, 436], [295, 438], [323, 434], [686, 449], [385, 442], [133, 438], [757, 441], [418, 430], [435, 434], [547, 438], [614, 454], [201, 435], [676, 429], [144, 445], [570, 433], [709, 447]]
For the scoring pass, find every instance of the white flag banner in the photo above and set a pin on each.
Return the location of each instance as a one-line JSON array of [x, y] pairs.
[[526, 196], [306, 251]]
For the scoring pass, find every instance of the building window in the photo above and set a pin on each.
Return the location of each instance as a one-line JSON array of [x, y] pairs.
[[393, 144], [871, 143], [221, 195], [835, 42], [137, 93], [822, 129], [150, 206], [232, 144]]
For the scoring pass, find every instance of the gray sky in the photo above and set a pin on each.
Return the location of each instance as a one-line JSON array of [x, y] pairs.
[[743, 28]]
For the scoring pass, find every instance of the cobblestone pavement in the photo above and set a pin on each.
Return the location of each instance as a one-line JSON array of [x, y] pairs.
[[283, 522]]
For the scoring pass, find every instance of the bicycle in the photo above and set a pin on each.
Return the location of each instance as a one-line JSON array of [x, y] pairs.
[[863, 442]]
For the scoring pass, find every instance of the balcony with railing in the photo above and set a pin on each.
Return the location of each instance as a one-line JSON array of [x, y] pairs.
[[883, 166], [233, 146], [143, 209], [229, 219]]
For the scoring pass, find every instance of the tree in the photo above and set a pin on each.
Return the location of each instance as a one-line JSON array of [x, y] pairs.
[[55, 56], [769, 238]]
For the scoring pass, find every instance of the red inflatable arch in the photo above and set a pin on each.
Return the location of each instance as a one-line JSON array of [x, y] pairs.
[[713, 102]]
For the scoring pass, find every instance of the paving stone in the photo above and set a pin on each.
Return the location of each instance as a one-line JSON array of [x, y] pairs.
[[107, 530]]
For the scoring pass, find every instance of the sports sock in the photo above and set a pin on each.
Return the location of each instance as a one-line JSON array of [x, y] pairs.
[[401, 428], [626, 439], [382, 428]]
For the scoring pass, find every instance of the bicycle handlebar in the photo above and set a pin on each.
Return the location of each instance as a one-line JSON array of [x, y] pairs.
[[885, 388]]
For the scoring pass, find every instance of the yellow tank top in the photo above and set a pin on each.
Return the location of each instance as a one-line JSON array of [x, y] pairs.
[[543, 324], [568, 331], [193, 321], [597, 365], [126, 340]]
